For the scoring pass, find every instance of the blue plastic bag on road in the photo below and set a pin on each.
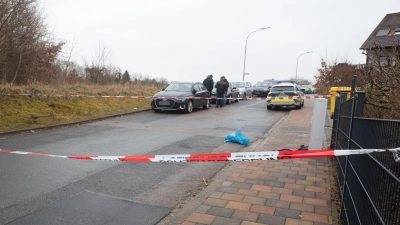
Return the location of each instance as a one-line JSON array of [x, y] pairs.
[[238, 137]]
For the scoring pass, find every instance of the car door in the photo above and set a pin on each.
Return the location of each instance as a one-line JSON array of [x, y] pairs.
[[249, 89], [197, 96]]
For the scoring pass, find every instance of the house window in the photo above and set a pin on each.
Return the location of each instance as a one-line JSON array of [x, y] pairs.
[[382, 33], [383, 61], [397, 31]]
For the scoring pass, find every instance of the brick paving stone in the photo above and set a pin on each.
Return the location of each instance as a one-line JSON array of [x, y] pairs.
[[291, 164], [325, 185], [286, 191], [294, 186], [302, 207], [278, 174], [323, 210], [264, 194], [249, 175], [226, 221], [290, 221], [314, 217], [307, 173], [283, 167], [319, 179], [203, 208], [232, 197], [216, 194], [242, 166], [273, 183], [277, 203], [268, 177], [222, 212], [261, 188], [291, 198], [255, 168], [298, 177], [262, 209], [299, 169], [315, 189], [250, 223], [254, 200], [313, 201], [244, 171], [286, 180], [254, 181], [271, 220], [308, 194], [247, 192], [200, 218], [305, 182], [227, 183], [272, 169], [235, 174], [231, 190], [241, 185], [264, 173], [215, 202], [289, 172], [238, 205], [288, 213], [244, 215], [325, 196], [236, 179]]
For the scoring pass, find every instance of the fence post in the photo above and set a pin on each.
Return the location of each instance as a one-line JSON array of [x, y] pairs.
[[353, 85], [317, 134]]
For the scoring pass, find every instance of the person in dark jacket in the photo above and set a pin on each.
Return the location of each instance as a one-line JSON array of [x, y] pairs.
[[209, 84], [226, 92], [221, 89]]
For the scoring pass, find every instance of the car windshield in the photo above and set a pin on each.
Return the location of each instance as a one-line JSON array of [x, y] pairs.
[[182, 87], [240, 84], [262, 85], [282, 88]]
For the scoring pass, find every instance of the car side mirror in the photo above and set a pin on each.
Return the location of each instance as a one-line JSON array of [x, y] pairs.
[[163, 89], [194, 91]]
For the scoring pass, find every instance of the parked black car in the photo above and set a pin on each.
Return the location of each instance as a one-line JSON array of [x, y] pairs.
[[181, 96], [233, 94], [261, 88]]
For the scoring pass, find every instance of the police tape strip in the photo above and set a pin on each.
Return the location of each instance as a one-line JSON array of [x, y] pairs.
[[221, 157], [165, 97]]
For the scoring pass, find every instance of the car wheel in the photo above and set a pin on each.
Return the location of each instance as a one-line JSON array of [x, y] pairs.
[[189, 107], [228, 101], [269, 107], [237, 98], [299, 107], [157, 110], [207, 105]]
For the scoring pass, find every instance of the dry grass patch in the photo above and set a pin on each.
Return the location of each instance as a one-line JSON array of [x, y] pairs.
[[30, 112]]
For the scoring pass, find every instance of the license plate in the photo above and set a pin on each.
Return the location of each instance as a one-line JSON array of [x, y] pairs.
[[163, 102]]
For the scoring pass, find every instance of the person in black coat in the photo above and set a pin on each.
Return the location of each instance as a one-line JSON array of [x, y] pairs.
[[209, 83], [227, 86], [221, 89]]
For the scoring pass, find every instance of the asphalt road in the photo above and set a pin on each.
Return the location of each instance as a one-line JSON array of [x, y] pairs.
[[44, 190]]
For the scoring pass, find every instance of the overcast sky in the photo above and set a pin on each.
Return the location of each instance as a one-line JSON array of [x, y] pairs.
[[186, 40]]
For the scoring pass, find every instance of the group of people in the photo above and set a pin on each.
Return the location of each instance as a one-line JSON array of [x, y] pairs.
[[221, 88]]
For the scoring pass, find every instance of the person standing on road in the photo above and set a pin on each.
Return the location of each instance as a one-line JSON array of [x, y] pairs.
[[226, 92], [209, 83], [221, 89]]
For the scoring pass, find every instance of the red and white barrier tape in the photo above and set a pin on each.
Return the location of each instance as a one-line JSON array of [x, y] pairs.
[[166, 97], [221, 157]]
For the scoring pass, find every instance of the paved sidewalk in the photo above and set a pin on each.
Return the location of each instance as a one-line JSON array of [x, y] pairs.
[[284, 192]]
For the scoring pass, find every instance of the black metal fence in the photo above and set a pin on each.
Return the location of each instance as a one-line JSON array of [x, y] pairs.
[[369, 183]]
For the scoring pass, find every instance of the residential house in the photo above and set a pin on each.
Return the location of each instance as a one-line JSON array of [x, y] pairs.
[[383, 45]]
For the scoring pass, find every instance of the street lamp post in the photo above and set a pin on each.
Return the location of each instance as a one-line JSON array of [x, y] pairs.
[[245, 50], [298, 62]]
